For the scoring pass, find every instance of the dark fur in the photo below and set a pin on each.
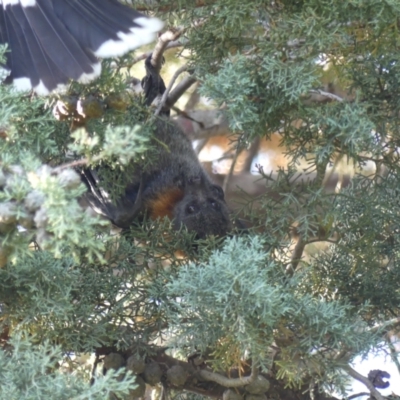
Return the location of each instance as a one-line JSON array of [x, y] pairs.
[[174, 186]]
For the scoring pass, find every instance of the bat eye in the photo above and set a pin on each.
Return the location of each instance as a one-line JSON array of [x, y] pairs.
[[214, 204], [191, 209]]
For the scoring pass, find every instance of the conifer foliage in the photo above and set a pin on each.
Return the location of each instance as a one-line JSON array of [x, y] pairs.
[[279, 311]]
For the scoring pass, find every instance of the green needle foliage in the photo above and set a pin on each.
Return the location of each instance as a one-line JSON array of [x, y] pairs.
[[312, 284], [31, 372]]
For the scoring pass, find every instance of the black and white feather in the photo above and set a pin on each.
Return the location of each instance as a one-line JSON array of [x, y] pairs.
[[52, 41]]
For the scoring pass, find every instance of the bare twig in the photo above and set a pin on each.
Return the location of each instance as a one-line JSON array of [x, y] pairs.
[[354, 396], [321, 171], [180, 88], [301, 243], [297, 254], [200, 145], [330, 96], [386, 324], [361, 378], [231, 169], [94, 368], [72, 164], [393, 353], [184, 115], [253, 150], [229, 382], [206, 123], [171, 83], [193, 99], [322, 239], [166, 38], [141, 57], [146, 6], [161, 46]]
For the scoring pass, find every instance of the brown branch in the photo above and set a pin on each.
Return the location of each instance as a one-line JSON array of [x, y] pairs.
[[210, 384], [162, 43], [169, 87], [206, 123], [231, 170], [301, 243], [354, 396], [72, 164], [297, 254], [200, 145], [193, 100], [184, 115], [212, 390], [229, 382], [252, 152], [361, 378], [164, 39], [180, 88], [393, 352], [326, 95], [322, 239], [386, 324], [141, 57], [173, 6]]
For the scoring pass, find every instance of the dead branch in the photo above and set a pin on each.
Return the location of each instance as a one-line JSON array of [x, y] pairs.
[[167, 37], [231, 170], [180, 88], [297, 254], [193, 99], [386, 324], [200, 145], [253, 150], [320, 96], [203, 124], [149, 5], [162, 43], [354, 396], [169, 87], [170, 45], [229, 382], [72, 164]]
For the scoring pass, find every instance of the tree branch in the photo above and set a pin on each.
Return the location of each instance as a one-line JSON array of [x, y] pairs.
[[361, 378], [141, 57], [229, 382], [386, 324], [164, 39], [354, 396], [169, 87], [297, 253], [72, 164], [231, 170], [161, 46], [325, 96], [147, 5], [180, 88]]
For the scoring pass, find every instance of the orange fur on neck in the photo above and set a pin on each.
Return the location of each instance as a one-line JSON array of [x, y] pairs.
[[163, 205]]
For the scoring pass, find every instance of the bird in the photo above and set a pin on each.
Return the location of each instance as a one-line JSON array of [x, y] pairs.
[[52, 41]]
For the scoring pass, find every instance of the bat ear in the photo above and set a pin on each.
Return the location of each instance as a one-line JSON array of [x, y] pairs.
[[218, 191], [52, 42]]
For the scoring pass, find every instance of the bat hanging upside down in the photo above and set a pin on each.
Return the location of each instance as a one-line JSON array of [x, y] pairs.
[[53, 41]]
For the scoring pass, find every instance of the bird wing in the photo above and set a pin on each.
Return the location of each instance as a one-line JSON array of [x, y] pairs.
[[52, 41]]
